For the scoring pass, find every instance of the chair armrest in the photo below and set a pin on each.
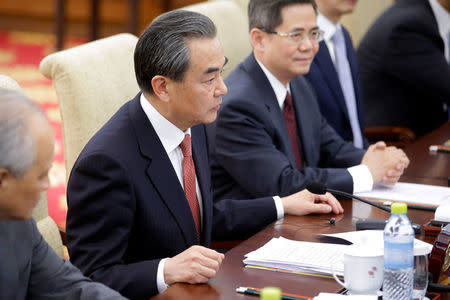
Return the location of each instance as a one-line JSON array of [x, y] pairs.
[[393, 136]]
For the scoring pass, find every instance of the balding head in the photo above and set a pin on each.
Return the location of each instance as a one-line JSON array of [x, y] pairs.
[[17, 145], [26, 155]]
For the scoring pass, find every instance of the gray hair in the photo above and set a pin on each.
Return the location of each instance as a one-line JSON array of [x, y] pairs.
[[162, 48], [267, 13], [17, 145]]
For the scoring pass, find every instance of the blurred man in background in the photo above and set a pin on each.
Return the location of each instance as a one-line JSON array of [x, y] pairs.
[[404, 63], [334, 73]]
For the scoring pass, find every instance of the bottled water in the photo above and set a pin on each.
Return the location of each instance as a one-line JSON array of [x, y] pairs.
[[398, 255]]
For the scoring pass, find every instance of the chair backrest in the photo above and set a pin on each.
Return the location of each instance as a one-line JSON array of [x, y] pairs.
[[232, 29], [91, 81], [243, 4], [47, 227]]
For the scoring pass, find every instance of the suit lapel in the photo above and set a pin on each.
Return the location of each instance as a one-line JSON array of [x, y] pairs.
[[352, 61], [200, 157], [161, 174], [326, 67], [303, 116], [9, 273], [270, 101]]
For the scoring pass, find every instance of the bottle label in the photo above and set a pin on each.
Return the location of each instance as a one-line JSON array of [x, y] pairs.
[[398, 255]]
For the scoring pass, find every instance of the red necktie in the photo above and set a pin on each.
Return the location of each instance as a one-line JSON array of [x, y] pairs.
[[189, 181], [291, 124]]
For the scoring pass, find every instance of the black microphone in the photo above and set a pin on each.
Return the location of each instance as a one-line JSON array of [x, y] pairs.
[[319, 188], [362, 224]]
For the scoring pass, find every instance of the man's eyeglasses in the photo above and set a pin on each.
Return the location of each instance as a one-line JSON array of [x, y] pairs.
[[299, 36]]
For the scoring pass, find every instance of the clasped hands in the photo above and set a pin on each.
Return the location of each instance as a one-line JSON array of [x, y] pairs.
[[386, 164]]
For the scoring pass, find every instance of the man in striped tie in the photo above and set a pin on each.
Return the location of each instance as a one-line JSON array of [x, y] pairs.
[[141, 213]]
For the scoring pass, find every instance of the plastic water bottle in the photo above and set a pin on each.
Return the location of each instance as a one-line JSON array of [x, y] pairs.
[[398, 255]]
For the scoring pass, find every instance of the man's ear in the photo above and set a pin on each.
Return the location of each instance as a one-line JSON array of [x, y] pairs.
[[4, 175], [257, 39], [160, 85]]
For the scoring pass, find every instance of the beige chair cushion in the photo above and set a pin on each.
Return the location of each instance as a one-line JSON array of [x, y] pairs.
[[91, 81], [232, 29], [243, 4], [47, 227]]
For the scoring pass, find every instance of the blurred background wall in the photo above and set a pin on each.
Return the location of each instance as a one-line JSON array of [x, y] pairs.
[[39, 15]]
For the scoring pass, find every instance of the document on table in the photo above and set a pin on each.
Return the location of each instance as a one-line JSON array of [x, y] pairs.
[[308, 258], [297, 256], [374, 239], [411, 193]]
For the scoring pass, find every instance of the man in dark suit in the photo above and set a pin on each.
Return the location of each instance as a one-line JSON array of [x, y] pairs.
[[140, 210], [270, 125], [29, 268], [334, 74], [404, 64]]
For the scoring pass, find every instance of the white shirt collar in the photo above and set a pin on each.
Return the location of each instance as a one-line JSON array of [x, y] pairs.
[[443, 21], [279, 89], [330, 29], [169, 134], [327, 26]]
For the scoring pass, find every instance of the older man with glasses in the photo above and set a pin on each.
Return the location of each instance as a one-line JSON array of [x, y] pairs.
[[270, 137]]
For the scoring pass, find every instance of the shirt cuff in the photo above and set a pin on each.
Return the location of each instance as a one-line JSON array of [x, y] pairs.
[[160, 283], [362, 178], [279, 207]]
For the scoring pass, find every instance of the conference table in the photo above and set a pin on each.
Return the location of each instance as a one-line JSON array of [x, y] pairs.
[[425, 167]]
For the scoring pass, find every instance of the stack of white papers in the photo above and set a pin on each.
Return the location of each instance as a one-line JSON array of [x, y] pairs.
[[411, 193], [281, 254], [374, 239], [303, 257]]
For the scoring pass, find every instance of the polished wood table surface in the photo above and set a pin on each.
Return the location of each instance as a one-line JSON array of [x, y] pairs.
[[424, 168], [429, 167]]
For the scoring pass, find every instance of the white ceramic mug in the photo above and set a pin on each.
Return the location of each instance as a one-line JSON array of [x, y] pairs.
[[363, 270]]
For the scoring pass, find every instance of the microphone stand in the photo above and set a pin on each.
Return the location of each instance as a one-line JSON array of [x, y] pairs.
[[335, 192]]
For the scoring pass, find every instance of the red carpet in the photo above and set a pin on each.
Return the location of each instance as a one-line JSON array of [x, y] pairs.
[[20, 55]]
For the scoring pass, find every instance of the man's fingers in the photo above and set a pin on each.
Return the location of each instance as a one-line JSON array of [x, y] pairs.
[[394, 173], [321, 208], [212, 254], [206, 272], [380, 145], [390, 180], [332, 202]]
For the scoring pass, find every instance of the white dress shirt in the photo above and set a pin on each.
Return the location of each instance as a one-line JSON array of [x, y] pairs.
[[329, 30], [443, 21], [171, 138], [348, 89], [362, 178]]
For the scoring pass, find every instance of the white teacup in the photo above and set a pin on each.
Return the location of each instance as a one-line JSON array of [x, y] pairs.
[[363, 270]]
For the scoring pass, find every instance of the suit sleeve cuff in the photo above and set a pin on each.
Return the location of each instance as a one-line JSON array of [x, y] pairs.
[[160, 283], [362, 178], [279, 207]]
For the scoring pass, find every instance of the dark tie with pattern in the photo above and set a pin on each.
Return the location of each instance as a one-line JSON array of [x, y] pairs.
[[189, 181], [291, 124]]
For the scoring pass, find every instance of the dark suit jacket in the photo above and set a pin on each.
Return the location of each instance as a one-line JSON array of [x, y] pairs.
[[252, 155], [127, 209], [325, 81], [404, 74], [30, 269]]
